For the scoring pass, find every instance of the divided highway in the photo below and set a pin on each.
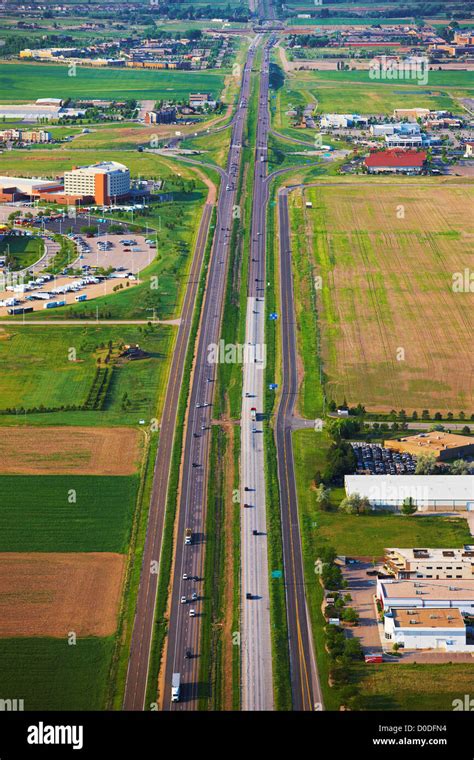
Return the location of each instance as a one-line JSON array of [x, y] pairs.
[[182, 652], [256, 645], [305, 685], [137, 675]]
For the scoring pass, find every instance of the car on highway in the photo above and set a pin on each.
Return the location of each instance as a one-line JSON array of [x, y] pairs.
[[194, 596], [188, 654], [185, 576], [248, 595], [192, 612], [183, 600]]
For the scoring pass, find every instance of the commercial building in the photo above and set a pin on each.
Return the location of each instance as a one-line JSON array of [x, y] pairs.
[[426, 594], [412, 114], [162, 116], [197, 99], [341, 120], [441, 564], [27, 185], [434, 628], [25, 136], [105, 182], [403, 128], [34, 112], [395, 162], [428, 492], [443, 445], [403, 141]]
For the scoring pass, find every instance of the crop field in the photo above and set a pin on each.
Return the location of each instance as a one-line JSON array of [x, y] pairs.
[[393, 329], [36, 372], [26, 81], [64, 450], [354, 91], [66, 513], [51, 594], [51, 675]]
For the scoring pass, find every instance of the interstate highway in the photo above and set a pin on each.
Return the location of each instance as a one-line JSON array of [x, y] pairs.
[[256, 644], [183, 630]]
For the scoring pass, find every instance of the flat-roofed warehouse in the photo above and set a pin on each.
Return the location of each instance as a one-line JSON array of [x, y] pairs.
[[443, 492], [413, 594], [443, 445], [437, 629]]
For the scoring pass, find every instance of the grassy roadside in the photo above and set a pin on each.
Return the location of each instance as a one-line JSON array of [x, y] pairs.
[[311, 395], [278, 614], [119, 664], [161, 622]]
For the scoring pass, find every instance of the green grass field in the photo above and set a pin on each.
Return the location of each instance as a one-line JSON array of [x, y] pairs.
[[363, 535], [49, 162], [24, 251], [354, 91], [35, 370], [51, 675], [36, 515], [414, 687], [27, 81]]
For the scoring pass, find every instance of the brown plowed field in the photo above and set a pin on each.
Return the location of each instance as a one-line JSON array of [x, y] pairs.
[[69, 451], [54, 594]]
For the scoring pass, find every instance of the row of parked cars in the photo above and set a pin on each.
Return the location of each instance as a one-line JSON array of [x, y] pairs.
[[374, 459]]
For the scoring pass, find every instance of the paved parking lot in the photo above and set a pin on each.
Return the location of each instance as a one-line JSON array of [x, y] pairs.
[[133, 258], [362, 588]]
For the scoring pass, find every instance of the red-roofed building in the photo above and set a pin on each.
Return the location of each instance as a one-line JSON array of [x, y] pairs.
[[396, 161]]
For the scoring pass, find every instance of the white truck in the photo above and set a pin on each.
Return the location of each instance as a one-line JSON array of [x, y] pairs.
[[175, 685], [188, 536]]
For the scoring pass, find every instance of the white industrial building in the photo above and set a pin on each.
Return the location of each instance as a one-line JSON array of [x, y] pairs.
[[427, 594], [433, 628], [27, 185], [32, 112], [342, 120], [403, 141], [381, 130], [429, 492]]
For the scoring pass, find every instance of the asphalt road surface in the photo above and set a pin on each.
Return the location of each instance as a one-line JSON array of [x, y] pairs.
[[184, 629], [305, 686], [137, 674], [256, 645]]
